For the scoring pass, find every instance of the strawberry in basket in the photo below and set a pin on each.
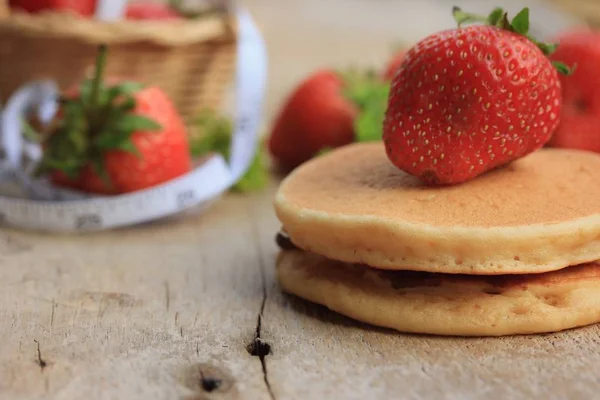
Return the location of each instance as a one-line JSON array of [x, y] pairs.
[[135, 10], [81, 7], [115, 138]]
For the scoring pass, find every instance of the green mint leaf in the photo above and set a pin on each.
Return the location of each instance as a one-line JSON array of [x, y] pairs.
[[257, 176], [215, 134], [370, 96], [495, 16], [520, 22], [368, 125], [136, 123]]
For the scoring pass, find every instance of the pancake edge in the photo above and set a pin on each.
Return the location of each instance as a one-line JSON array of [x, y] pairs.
[[401, 245], [376, 302]]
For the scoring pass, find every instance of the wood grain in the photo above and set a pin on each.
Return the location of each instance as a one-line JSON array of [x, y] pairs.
[[133, 313], [173, 310]]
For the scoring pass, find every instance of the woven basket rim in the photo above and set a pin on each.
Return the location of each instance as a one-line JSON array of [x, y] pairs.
[[172, 33]]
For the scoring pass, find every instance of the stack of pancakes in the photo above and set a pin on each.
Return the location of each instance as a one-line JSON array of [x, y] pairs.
[[511, 252]]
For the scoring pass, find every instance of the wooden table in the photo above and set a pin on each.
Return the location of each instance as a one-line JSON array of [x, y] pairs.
[[189, 308]]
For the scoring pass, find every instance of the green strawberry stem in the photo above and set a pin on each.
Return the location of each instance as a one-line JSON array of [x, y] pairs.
[[98, 76], [519, 24], [98, 120]]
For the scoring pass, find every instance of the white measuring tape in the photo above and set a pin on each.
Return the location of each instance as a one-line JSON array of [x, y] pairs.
[[36, 204]]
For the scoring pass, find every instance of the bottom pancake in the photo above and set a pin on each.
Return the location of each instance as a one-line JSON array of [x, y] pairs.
[[443, 304]]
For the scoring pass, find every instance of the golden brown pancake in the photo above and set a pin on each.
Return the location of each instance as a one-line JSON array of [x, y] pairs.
[[445, 304], [540, 213]]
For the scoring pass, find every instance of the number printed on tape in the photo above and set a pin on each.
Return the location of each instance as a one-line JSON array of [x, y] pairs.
[[88, 221], [186, 198]]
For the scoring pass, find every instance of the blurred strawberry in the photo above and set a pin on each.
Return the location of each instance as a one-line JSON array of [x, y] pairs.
[[115, 138], [327, 110], [151, 11], [82, 7], [315, 116], [393, 65], [580, 118]]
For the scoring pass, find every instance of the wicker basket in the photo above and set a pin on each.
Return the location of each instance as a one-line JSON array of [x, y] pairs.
[[192, 60]]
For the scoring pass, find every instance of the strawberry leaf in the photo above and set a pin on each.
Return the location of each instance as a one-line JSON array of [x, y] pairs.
[[129, 147], [126, 88], [98, 119], [133, 122], [125, 104], [547, 48], [100, 170], [496, 16], [520, 23], [563, 68], [462, 17], [107, 140]]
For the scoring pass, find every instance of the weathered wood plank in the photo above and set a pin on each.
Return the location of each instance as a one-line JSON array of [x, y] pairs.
[[148, 312], [131, 313]]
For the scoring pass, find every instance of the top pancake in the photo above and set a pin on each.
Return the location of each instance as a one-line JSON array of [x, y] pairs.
[[538, 214]]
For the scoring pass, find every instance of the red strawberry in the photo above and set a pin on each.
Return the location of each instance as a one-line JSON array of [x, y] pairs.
[[81, 7], [114, 139], [59, 178], [580, 117], [469, 100], [151, 11], [315, 116], [393, 65], [162, 155]]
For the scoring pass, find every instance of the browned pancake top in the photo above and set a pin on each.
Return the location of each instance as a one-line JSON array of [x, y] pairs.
[[548, 186]]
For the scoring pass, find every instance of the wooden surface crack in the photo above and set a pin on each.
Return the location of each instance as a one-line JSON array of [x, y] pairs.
[[52, 315], [39, 360], [167, 296], [258, 347]]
